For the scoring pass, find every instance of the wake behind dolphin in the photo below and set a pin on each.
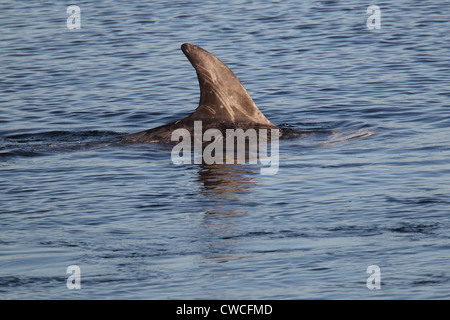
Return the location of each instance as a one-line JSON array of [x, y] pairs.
[[224, 102]]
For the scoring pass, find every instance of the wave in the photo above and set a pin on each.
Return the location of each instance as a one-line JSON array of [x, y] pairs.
[[41, 143]]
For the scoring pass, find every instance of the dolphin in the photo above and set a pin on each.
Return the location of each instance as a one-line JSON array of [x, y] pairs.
[[224, 102]]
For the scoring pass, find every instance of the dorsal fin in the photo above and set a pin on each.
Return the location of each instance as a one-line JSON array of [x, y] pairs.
[[222, 96]]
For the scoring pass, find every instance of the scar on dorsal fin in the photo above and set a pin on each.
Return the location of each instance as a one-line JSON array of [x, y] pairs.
[[222, 96]]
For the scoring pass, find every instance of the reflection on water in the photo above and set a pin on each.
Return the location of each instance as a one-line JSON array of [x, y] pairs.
[[225, 181], [226, 186]]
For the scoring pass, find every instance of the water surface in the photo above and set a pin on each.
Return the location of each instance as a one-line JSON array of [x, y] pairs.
[[367, 184]]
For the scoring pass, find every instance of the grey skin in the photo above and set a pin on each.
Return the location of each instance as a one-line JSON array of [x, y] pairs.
[[224, 102]]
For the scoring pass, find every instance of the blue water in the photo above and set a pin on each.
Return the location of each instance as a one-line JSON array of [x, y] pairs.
[[368, 183]]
